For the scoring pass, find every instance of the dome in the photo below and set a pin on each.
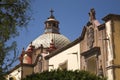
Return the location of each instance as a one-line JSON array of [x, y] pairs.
[[51, 32], [45, 39]]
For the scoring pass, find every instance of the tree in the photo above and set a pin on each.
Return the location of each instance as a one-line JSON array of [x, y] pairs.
[[64, 75], [13, 14]]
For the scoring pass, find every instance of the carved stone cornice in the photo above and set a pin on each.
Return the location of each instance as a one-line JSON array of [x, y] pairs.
[[91, 52]]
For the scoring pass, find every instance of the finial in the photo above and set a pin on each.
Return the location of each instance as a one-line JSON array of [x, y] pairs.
[[41, 48], [51, 16], [23, 49], [92, 14], [52, 46], [51, 11], [31, 43]]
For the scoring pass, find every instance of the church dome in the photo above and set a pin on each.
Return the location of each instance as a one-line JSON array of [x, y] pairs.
[[51, 33], [45, 39]]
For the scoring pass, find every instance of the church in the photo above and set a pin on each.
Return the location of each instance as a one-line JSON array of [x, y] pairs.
[[96, 50]]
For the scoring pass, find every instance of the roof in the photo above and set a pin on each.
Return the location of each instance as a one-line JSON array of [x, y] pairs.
[[63, 48], [18, 66], [45, 39], [111, 16]]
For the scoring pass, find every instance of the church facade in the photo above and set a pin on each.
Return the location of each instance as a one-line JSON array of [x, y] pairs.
[[96, 50]]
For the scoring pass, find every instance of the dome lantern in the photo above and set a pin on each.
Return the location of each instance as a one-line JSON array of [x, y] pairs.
[[51, 24]]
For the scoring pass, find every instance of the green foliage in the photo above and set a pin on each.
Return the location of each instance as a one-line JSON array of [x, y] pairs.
[[13, 14], [64, 75], [2, 78]]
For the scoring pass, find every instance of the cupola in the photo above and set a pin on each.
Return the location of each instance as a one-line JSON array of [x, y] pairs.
[[51, 24]]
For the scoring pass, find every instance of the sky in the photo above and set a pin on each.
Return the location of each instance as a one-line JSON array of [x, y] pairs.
[[72, 15]]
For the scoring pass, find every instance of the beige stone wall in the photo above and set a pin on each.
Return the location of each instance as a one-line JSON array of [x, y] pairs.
[[15, 74], [116, 47], [117, 74], [27, 70], [70, 56], [102, 43], [116, 44], [83, 44]]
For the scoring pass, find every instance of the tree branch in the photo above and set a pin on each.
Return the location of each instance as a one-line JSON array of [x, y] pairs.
[[6, 4]]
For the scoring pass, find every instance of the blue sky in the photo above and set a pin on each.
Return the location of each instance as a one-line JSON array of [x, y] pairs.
[[72, 15]]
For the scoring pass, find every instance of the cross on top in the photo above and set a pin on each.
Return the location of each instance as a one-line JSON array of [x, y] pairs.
[[51, 11]]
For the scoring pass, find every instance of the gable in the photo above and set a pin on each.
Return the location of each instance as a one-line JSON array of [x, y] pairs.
[[89, 35]]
